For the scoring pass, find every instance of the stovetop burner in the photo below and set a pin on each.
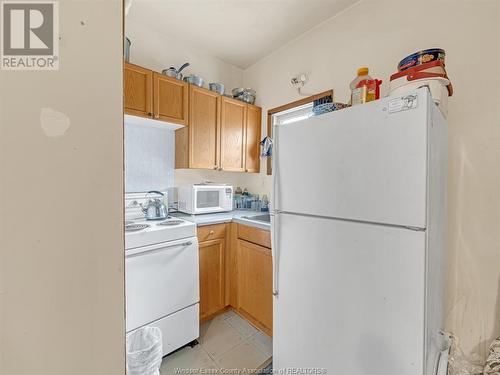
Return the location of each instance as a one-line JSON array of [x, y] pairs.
[[135, 227], [170, 222]]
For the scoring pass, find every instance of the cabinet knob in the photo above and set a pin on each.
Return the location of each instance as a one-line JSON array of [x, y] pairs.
[[211, 232]]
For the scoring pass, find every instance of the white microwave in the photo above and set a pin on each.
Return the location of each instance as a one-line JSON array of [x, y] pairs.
[[204, 198]]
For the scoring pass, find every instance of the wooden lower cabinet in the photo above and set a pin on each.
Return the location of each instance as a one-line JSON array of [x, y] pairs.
[[211, 277], [212, 254], [254, 278], [236, 270]]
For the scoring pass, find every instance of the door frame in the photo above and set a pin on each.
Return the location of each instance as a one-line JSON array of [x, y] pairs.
[[286, 107]]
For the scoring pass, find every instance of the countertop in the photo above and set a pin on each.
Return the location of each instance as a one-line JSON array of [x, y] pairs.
[[225, 217]]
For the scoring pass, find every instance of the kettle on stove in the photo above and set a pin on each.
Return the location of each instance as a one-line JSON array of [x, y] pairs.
[[155, 208]]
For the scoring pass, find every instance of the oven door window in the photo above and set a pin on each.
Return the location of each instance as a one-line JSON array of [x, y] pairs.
[[207, 199]]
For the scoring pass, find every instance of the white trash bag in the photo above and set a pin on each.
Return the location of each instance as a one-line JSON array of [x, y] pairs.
[[458, 364], [144, 351], [492, 366]]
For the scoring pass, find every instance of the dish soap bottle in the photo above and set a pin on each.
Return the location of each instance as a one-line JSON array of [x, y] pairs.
[[364, 88]]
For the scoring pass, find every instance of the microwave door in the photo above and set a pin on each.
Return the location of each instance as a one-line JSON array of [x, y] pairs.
[[208, 200]]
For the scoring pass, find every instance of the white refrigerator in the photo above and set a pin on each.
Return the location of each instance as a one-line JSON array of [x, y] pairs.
[[358, 214]]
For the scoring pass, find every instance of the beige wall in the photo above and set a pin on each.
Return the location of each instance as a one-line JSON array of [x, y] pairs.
[[61, 225], [254, 182], [378, 33]]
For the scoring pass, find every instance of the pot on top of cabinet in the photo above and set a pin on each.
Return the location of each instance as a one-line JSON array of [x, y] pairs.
[[194, 80], [247, 95], [217, 87], [175, 73]]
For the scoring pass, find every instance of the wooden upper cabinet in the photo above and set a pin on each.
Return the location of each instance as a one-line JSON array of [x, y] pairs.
[[204, 128], [252, 139], [222, 133], [138, 90], [170, 99], [232, 135]]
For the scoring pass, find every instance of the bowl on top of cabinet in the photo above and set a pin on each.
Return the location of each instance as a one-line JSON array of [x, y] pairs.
[[194, 80], [247, 95], [217, 87]]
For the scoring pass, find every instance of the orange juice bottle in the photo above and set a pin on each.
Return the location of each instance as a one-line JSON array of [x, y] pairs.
[[364, 88]]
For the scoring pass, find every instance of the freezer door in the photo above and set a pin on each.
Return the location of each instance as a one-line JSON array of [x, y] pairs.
[[350, 297], [366, 163]]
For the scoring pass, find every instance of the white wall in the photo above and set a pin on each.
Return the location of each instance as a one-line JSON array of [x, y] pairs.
[[157, 52], [149, 158], [378, 33], [61, 204]]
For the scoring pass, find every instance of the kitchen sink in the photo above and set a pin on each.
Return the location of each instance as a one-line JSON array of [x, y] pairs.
[[266, 218]]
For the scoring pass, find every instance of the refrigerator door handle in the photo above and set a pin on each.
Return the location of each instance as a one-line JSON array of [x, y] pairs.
[[274, 252], [274, 170], [274, 211]]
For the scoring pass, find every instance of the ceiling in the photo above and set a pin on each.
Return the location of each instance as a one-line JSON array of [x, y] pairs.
[[240, 32]]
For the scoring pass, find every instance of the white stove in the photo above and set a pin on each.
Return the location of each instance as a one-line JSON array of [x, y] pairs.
[[161, 275], [142, 232]]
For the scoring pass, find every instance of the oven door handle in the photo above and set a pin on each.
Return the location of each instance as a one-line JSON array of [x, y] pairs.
[[158, 247]]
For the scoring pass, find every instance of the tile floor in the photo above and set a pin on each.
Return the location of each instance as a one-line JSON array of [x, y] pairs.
[[226, 342]]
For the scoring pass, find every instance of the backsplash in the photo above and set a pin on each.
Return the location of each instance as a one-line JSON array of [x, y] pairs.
[[149, 158], [254, 182]]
